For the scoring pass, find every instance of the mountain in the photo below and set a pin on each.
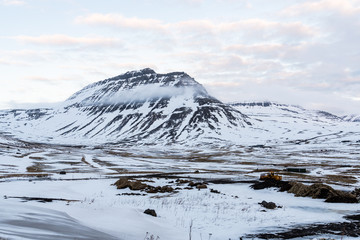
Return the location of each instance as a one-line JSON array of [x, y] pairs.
[[293, 124], [135, 107], [351, 118], [144, 107]]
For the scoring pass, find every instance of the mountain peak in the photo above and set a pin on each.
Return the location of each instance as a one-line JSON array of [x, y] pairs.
[[140, 106], [136, 73], [137, 86]]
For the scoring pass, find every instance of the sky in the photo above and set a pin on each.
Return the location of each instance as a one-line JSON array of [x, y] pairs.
[[297, 52]]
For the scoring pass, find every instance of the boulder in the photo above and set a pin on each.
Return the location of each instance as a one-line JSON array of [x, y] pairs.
[[150, 212], [268, 205]]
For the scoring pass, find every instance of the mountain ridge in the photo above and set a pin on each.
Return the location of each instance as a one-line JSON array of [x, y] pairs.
[[145, 107], [137, 106]]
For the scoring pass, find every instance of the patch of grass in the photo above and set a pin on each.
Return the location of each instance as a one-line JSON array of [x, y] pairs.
[[37, 158], [341, 179], [103, 163], [206, 159], [35, 168], [19, 175]]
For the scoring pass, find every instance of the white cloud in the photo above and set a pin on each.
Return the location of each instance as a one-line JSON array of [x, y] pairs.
[[344, 7], [13, 2], [13, 63], [305, 48], [64, 40], [118, 20], [143, 93], [252, 27]]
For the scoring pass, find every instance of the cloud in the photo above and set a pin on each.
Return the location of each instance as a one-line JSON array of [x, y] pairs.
[[268, 28], [117, 20], [344, 7], [12, 2], [143, 93], [13, 63], [64, 40], [256, 28]]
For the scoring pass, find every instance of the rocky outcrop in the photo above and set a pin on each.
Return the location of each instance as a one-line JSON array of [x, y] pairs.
[[316, 190]]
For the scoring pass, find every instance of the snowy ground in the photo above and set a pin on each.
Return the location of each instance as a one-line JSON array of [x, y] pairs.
[[100, 211]]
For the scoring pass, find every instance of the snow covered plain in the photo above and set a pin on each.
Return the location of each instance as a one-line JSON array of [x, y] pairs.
[[90, 207]]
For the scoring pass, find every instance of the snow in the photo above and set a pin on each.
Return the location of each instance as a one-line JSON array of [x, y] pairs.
[[87, 124], [223, 216], [279, 136], [103, 209]]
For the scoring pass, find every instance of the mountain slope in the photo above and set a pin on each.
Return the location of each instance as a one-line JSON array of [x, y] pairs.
[[144, 107], [138, 106], [294, 124], [351, 118]]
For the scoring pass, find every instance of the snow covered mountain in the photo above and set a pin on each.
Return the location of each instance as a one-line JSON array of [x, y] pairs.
[[145, 107], [351, 118], [138, 106], [294, 124]]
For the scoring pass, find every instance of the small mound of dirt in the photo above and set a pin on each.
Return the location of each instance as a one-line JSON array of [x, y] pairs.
[[159, 189], [138, 185], [182, 181], [214, 191], [316, 190], [268, 205], [201, 186], [269, 183], [322, 191], [132, 185], [198, 185], [356, 192], [150, 212]]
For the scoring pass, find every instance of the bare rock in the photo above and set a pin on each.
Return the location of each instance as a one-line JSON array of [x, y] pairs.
[[268, 205], [322, 191], [201, 186], [132, 185], [150, 212]]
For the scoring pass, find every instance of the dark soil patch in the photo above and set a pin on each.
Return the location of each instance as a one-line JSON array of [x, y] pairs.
[[214, 191], [36, 158], [131, 194], [342, 179], [25, 175], [353, 217], [351, 229], [269, 205], [282, 185], [35, 168], [198, 185], [150, 212], [41, 199]]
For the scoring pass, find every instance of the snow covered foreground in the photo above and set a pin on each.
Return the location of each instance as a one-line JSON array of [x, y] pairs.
[[102, 214], [97, 210]]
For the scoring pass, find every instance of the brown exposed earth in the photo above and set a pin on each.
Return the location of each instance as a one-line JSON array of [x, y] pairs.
[[316, 190], [138, 185]]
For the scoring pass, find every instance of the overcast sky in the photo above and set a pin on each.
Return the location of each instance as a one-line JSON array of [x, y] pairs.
[[289, 51]]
